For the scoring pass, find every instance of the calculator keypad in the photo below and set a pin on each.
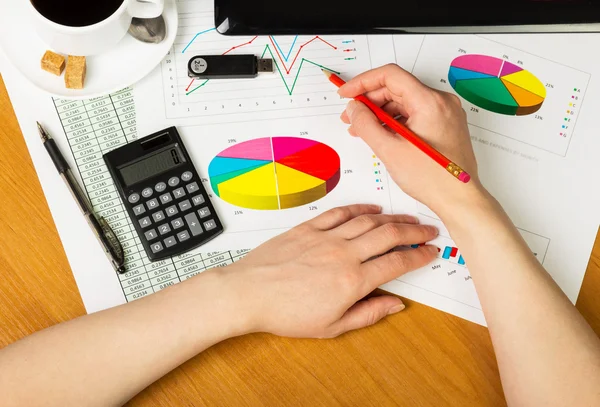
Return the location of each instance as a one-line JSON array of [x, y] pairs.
[[156, 247], [185, 205], [139, 209], [171, 211], [160, 187], [177, 223], [152, 204], [134, 198], [164, 229], [151, 234], [147, 192], [170, 241], [145, 222], [166, 198], [198, 200], [193, 223], [179, 193], [193, 187], [158, 216], [174, 216]]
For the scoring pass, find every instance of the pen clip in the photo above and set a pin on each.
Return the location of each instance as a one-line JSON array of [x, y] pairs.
[[112, 239]]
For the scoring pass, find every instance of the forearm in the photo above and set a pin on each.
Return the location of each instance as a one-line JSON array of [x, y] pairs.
[[106, 358], [535, 329]]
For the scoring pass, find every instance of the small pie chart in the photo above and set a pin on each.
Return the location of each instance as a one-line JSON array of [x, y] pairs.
[[496, 85], [273, 173]]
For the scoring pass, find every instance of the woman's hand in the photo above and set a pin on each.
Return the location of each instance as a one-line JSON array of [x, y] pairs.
[[435, 116], [308, 282]]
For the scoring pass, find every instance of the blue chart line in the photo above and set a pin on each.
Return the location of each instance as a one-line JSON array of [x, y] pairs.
[[286, 57], [196, 36]]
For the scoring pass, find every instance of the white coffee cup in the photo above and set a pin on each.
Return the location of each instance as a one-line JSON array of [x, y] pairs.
[[96, 38]]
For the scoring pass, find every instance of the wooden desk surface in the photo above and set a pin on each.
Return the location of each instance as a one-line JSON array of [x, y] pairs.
[[420, 357]]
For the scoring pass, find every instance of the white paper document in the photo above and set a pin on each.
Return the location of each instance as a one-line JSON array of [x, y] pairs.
[[272, 151]]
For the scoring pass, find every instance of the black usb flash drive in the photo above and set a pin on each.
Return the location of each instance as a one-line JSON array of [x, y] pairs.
[[227, 66]]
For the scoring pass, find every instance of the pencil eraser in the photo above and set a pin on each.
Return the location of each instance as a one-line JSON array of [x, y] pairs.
[[464, 177]]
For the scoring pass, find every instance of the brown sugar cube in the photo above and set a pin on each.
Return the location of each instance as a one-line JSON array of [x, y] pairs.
[[75, 73], [53, 63]]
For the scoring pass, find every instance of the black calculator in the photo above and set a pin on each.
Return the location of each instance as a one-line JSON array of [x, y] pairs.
[[163, 194]]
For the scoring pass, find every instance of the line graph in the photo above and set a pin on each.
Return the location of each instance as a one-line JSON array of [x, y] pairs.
[[286, 57], [196, 36], [296, 87]]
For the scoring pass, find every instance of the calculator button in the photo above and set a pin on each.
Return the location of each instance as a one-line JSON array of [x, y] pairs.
[[158, 216], [210, 225], [147, 192], [183, 236], [173, 182], [192, 221], [138, 210], [170, 241], [198, 200], [133, 198], [185, 205], [193, 187], [151, 234], [164, 229], [145, 222], [160, 187], [204, 212], [151, 204], [186, 176], [156, 247], [166, 198], [171, 211], [177, 223], [179, 193]]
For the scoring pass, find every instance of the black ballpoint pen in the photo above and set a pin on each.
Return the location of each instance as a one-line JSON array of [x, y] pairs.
[[103, 232]]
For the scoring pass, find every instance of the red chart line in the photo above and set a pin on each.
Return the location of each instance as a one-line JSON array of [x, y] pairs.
[[226, 52], [288, 70]]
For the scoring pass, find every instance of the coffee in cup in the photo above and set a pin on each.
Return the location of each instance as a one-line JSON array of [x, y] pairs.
[[88, 27]]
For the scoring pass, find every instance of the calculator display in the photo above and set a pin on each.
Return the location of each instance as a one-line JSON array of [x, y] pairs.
[[151, 166]]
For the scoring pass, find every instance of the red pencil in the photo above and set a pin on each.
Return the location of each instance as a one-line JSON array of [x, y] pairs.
[[405, 132]]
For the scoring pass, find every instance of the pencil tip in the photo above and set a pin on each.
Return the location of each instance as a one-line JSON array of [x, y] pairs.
[[326, 72]]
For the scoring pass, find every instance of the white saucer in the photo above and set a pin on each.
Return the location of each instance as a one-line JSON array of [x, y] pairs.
[[128, 62]]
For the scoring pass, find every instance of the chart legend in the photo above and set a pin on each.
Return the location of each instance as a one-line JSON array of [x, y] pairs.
[[496, 85], [274, 173]]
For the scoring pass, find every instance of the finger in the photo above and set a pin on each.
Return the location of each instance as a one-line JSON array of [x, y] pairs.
[[391, 76], [392, 108], [382, 97], [367, 126], [337, 216], [392, 265], [366, 313], [395, 109], [364, 223], [386, 237]]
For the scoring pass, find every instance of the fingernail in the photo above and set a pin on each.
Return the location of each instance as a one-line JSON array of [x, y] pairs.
[[396, 308], [414, 219], [376, 207], [433, 229], [350, 107]]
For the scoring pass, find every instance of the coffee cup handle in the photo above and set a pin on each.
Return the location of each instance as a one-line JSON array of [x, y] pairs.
[[145, 8]]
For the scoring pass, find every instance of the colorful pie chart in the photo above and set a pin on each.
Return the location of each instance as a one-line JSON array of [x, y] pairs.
[[496, 85], [274, 172]]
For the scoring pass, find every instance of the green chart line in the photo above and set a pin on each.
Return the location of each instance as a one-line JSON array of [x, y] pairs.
[[289, 89]]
